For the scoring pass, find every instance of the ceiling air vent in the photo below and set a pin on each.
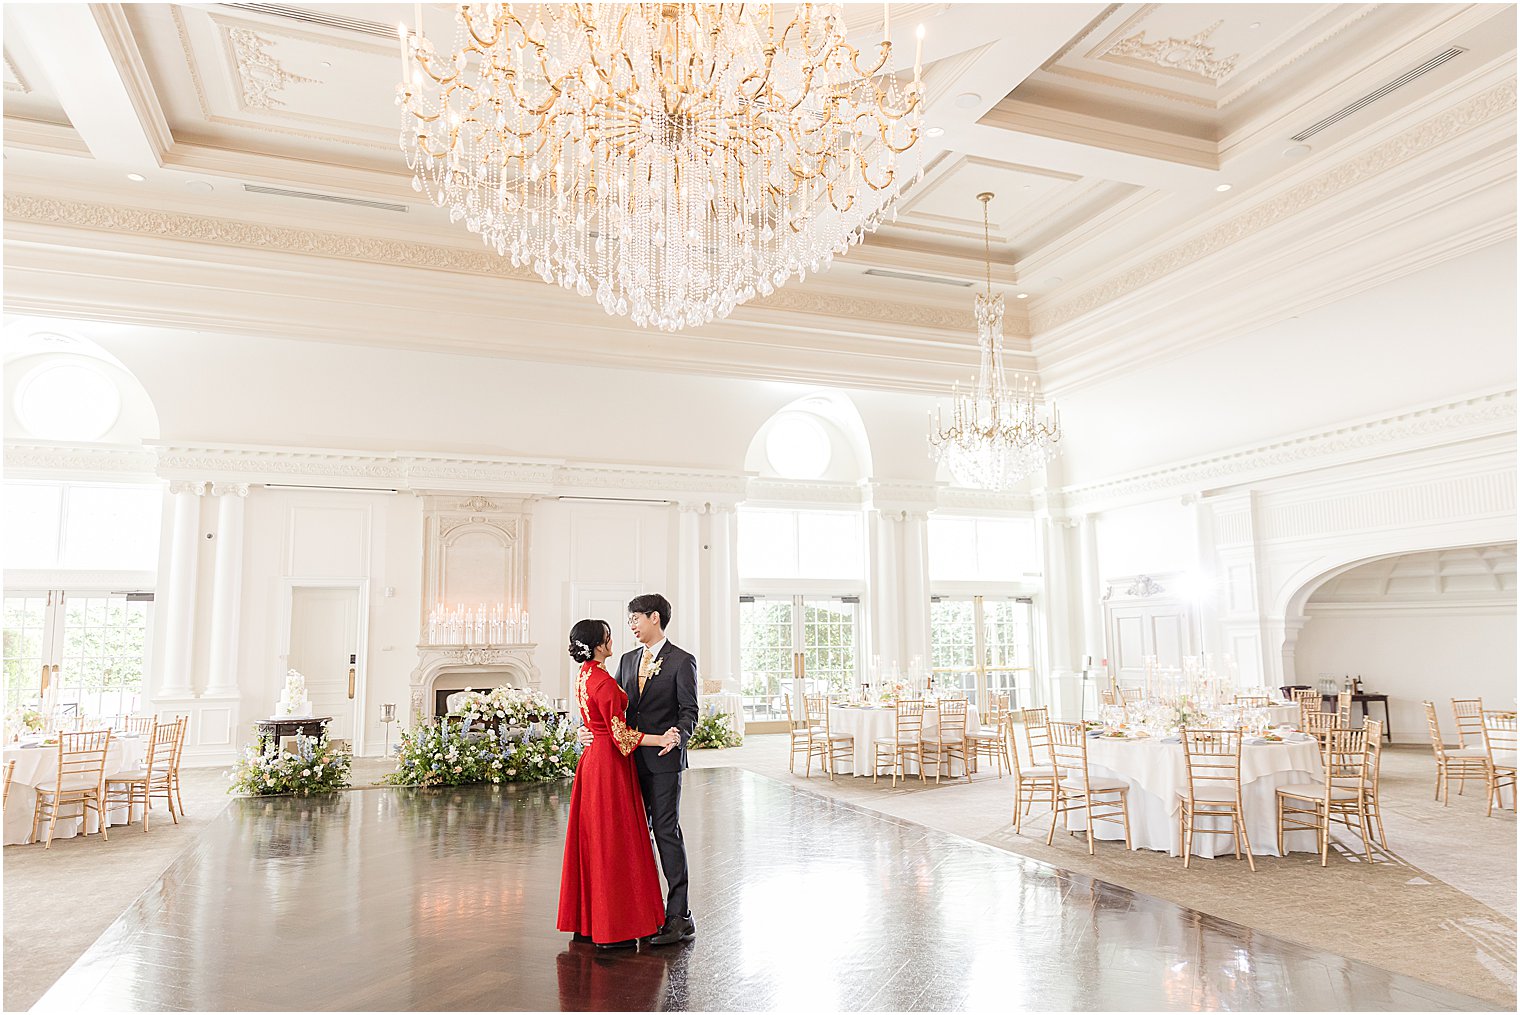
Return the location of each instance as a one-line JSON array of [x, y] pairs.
[[310, 17], [357, 202], [910, 277], [1372, 96]]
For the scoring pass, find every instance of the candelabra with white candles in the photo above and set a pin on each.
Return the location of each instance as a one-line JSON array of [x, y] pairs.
[[481, 624], [1208, 679]]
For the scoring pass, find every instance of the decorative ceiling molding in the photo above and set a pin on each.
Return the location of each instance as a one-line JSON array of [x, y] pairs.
[[259, 74], [1498, 101], [53, 457], [1491, 413], [802, 491], [1192, 55], [412, 254], [15, 81]]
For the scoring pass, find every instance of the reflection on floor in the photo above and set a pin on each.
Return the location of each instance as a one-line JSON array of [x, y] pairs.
[[445, 899]]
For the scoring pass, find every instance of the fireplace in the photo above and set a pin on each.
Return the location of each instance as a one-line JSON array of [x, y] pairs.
[[441, 692], [443, 670]]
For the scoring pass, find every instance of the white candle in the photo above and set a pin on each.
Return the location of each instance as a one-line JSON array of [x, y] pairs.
[[886, 23], [918, 59]]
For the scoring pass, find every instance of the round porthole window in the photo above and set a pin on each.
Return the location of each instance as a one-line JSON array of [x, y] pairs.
[[68, 402], [797, 447]]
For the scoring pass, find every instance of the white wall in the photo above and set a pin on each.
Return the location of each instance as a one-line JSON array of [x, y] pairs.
[[1412, 655]]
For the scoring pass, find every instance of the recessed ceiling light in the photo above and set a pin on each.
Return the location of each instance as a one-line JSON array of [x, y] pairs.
[[136, 177], [1223, 187], [967, 100], [199, 186], [935, 132], [1022, 296], [1296, 151]]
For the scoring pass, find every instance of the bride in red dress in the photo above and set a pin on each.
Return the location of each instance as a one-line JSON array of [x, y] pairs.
[[609, 891]]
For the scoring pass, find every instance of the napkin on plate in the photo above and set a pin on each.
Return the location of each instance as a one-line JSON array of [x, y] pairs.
[[1171, 740]]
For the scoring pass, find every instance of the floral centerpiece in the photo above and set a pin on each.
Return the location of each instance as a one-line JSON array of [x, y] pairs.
[[715, 729], [1184, 714], [893, 689], [504, 706], [23, 719], [314, 767], [455, 753]]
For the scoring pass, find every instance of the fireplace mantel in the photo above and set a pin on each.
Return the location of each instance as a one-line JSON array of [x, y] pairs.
[[459, 662]]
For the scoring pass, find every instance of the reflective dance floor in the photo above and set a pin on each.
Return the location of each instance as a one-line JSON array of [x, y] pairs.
[[395, 899]]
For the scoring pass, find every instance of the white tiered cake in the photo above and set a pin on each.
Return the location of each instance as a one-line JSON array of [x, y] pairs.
[[294, 704]]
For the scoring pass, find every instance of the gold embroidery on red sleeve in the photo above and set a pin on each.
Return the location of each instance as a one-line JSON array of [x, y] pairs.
[[580, 690], [627, 740]]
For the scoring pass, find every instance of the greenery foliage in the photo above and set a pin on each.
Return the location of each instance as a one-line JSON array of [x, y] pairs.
[[716, 729], [315, 767], [454, 753], [766, 645]]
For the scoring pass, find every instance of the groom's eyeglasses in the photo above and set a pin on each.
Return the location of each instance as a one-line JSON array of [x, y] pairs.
[[635, 616]]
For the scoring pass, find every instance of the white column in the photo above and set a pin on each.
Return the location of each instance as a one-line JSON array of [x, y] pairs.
[[179, 631], [915, 585], [722, 658], [885, 592], [689, 576], [227, 591], [1090, 588]]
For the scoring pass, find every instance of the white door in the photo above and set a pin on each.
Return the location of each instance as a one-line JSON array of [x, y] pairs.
[[324, 647]]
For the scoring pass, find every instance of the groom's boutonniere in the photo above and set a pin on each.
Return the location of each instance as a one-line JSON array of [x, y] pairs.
[[654, 668]]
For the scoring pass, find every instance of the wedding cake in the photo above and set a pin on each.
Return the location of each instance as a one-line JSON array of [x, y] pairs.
[[294, 704]]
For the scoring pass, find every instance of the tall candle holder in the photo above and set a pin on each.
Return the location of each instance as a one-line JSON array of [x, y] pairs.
[[388, 716]]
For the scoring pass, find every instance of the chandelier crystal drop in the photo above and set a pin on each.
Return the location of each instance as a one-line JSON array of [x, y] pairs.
[[669, 160], [997, 434]]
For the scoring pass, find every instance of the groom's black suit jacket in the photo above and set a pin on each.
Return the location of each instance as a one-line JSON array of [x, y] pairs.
[[669, 699]]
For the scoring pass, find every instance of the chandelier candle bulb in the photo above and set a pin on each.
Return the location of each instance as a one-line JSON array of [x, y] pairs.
[[401, 31]]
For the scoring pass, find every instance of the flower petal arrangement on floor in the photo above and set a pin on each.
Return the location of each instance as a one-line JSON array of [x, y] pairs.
[[506, 735], [314, 767]]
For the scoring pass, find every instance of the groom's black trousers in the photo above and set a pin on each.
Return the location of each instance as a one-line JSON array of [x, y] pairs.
[[662, 803]]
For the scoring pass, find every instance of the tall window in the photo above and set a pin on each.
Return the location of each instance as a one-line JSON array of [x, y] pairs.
[[982, 550], [88, 526], [84, 651], [984, 646], [780, 637]]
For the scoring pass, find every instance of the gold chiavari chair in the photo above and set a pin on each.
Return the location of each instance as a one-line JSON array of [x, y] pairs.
[[1128, 695], [802, 736], [1032, 784], [1212, 758], [1109, 697], [830, 746], [907, 738], [1099, 798], [152, 779], [1037, 736], [1499, 740], [1252, 700], [990, 740], [1469, 714], [1374, 804], [949, 740], [1343, 708], [1320, 724], [81, 780], [1342, 795], [179, 755], [1461, 763], [1307, 701], [10, 773], [138, 724]]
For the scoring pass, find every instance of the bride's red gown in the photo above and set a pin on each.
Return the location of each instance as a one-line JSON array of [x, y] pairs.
[[609, 889]]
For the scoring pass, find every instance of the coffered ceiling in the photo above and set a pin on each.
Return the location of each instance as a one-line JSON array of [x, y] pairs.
[[1126, 145]]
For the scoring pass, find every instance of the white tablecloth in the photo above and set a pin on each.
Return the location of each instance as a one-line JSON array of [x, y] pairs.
[[1156, 774], [733, 704], [869, 724], [1283, 715], [38, 766]]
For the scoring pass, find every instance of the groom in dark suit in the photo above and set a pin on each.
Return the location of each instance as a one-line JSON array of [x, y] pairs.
[[660, 680]]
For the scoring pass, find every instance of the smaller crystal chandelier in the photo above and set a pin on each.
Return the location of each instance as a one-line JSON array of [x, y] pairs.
[[997, 434]]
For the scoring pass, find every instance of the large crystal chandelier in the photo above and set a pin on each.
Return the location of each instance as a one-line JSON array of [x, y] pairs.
[[997, 434], [672, 160]]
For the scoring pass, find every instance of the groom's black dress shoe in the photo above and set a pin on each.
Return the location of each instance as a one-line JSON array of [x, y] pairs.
[[676, 929], [630, 943]]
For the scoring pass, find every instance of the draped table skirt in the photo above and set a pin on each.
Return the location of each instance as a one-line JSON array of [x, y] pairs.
[[1157, 773]]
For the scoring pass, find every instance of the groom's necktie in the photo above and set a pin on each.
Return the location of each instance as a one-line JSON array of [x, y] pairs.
[[644, 665]]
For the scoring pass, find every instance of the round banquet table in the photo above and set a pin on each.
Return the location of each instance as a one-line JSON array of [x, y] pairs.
[[1283, 715], [870, 723], [38, 766], [1156, 773]]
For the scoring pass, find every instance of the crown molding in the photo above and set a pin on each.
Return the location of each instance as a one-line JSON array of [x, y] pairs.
[[805, 492], [1482, 415], [1497, 101], [106, 461]]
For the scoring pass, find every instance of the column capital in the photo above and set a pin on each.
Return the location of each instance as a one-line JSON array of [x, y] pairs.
[[238, 489], [195, 486]]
